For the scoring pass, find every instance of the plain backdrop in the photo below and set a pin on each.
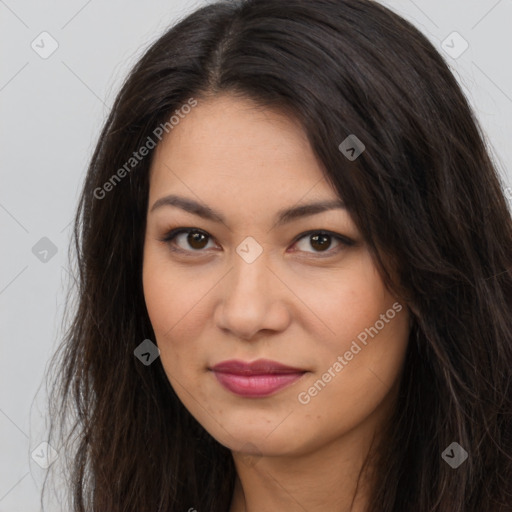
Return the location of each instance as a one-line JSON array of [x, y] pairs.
[[52, 106]]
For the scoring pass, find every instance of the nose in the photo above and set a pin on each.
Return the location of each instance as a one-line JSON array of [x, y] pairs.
[[252, 299]]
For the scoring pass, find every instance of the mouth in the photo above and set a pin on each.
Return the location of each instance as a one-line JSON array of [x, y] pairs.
[[256, 379]]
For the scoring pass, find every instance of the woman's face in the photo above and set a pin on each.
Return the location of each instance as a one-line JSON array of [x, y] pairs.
[[259, 285]]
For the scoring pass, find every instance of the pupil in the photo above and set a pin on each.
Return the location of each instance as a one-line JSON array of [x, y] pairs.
[[194, 238], [322, 240]]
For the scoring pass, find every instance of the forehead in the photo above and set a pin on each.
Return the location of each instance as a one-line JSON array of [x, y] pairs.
[[229, 151], [232, 136]]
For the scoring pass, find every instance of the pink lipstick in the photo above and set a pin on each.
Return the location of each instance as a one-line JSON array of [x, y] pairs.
[[259, 378]]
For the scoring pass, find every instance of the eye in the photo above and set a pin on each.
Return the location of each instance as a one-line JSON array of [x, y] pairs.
[[321, 242], [195, 240]]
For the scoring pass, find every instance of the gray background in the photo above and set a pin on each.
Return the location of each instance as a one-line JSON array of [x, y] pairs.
[[51, 111]]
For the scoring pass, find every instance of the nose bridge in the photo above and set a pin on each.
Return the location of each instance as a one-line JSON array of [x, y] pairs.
[[249, 302], [249, 279], [250, 266]]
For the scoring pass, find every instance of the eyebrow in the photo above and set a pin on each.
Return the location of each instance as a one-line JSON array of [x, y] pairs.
[[283, 216]]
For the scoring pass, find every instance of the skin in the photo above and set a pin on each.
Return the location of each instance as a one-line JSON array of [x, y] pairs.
[[294, 304]]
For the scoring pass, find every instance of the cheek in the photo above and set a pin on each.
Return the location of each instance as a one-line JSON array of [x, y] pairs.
[[348, 301], [178, 316], [160, 295], [348, 393], [172, 293], [361, 358], [172, 302], [359, 369]]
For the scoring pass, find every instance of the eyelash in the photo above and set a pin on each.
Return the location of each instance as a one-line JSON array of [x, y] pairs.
[[344, 241]]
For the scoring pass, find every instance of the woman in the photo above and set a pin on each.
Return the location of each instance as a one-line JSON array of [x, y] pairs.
[[295, 285]]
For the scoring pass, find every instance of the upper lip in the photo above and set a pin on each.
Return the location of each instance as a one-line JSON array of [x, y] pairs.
[[258, 367]]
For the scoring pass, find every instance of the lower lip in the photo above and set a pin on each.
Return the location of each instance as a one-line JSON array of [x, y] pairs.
[[256, 385]]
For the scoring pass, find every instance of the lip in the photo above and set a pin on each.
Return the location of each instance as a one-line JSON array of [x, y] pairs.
[[259, 378]]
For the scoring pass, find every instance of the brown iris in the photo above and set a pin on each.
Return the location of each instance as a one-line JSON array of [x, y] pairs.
[[320, 242], [197, 240]]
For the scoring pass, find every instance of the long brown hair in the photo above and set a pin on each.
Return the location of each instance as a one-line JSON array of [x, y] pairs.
[[426, 196]]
